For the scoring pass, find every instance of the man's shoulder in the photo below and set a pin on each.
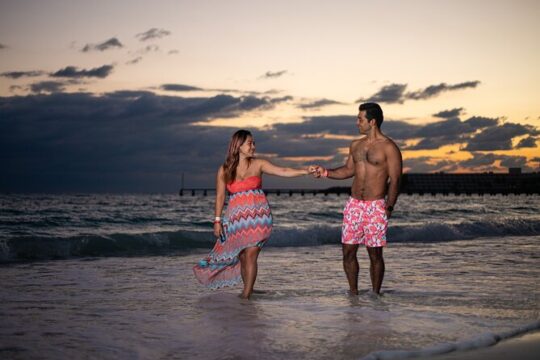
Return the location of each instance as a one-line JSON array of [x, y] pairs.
[[357, 142], [389, 143]]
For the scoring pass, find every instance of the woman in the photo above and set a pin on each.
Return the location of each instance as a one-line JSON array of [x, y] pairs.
[[248, 221]]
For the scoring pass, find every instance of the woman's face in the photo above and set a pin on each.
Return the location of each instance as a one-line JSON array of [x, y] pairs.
[[248, 147]]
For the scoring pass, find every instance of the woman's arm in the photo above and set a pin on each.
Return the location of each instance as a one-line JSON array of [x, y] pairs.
[[268, 168], [220, 201]]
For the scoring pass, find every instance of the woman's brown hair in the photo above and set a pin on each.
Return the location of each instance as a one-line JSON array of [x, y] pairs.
[[233, 155]]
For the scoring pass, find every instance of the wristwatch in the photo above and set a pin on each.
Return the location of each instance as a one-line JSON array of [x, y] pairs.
[[390, 208]]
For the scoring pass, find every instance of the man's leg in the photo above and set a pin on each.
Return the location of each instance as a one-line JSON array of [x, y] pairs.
[[350, 265], [376, 268]]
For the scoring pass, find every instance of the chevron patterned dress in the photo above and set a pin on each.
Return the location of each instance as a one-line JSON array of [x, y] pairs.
[[247, 223]]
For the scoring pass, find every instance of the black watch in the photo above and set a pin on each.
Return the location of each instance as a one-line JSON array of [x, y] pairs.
[[390, 208]]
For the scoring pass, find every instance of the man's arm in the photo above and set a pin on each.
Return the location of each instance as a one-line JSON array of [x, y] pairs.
[[395, 165], [344, 172]]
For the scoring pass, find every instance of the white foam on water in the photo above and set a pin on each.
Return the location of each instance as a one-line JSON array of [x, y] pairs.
[[479, 342]]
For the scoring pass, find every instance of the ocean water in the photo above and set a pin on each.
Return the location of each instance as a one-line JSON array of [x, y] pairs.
[[109, 276]]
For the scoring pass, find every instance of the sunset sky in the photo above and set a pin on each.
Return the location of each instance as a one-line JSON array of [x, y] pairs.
[[125, 96]]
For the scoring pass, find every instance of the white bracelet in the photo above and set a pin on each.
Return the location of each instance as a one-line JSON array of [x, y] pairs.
[[217, 219]]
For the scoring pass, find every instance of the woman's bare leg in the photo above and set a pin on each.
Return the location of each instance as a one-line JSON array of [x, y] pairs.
[[250, 256]]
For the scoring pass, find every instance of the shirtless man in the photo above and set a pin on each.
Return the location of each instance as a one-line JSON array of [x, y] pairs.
[[375, 162]]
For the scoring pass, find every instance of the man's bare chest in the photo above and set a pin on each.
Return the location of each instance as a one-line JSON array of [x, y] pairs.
[[369, 155]]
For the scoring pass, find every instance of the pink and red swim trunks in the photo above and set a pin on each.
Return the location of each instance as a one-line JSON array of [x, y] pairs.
[[364, 222]]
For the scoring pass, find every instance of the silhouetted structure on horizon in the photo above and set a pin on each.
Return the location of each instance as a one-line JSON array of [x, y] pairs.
[[513, 182]]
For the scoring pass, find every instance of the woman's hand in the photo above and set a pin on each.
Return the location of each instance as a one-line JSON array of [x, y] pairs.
[[218, 229]]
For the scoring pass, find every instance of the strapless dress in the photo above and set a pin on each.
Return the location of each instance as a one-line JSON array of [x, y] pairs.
[[247, 222]]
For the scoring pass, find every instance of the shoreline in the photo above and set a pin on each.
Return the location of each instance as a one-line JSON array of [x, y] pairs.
[[520, 343], [523, 347]]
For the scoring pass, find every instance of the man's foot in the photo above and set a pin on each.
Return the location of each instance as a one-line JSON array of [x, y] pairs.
[[353, 292]]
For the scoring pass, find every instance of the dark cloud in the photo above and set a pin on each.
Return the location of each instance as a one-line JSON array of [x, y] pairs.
[[123, 141], [395, 93], [426, 164], [173, 52], [318, 104], [134, 61], [514, 161], [19, 74], [338, 125], [108, 44], [179, 87], [434, 90], [276, 74], [450, 131], [499, 137], [479, 159], [73, 72], [479, 122], [2, 46], [153, 33], [389, 94], [447, 114], [133, 141], [48, 87], [528, 142]]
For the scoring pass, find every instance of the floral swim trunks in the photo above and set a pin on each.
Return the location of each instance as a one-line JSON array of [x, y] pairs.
[[364, 222]]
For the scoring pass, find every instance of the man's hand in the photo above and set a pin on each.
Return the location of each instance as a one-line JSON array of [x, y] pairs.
[[319, 171], [312, 169]]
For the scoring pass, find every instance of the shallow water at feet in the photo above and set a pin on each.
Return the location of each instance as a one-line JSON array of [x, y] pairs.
[[151, 307]]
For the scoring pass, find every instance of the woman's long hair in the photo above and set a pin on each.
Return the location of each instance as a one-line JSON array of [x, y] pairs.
[[233, 155]]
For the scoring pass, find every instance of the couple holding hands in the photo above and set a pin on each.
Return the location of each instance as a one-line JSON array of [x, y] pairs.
[[375, 163]]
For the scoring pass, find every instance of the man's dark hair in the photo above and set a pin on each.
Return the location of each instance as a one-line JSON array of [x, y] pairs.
[[373, 111]]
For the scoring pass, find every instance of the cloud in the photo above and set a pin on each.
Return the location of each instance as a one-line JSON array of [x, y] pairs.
[[434, 90], [272, 75], [2, 46], [479, 159], [179, 87], [123, 141], [528, 142], [48, 87], [426, 164], [139, 141], [173, 52], [108, 44], [514, 161], [73, 72], [389, 94], [447, 114], [450, 131], [134, 61], [19, 74], [499, 137], [153, 33], [395, 93], [318, 104], [147, 49]]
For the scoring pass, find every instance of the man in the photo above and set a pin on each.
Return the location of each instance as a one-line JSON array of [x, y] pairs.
[[375, 162]]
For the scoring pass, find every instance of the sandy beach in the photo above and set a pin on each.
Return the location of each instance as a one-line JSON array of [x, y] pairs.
[[526, 347]]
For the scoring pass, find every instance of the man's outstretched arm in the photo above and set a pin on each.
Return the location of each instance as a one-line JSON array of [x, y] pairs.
[[344, 172]]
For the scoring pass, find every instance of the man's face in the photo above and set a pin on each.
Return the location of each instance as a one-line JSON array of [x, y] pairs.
[[363, 123]]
